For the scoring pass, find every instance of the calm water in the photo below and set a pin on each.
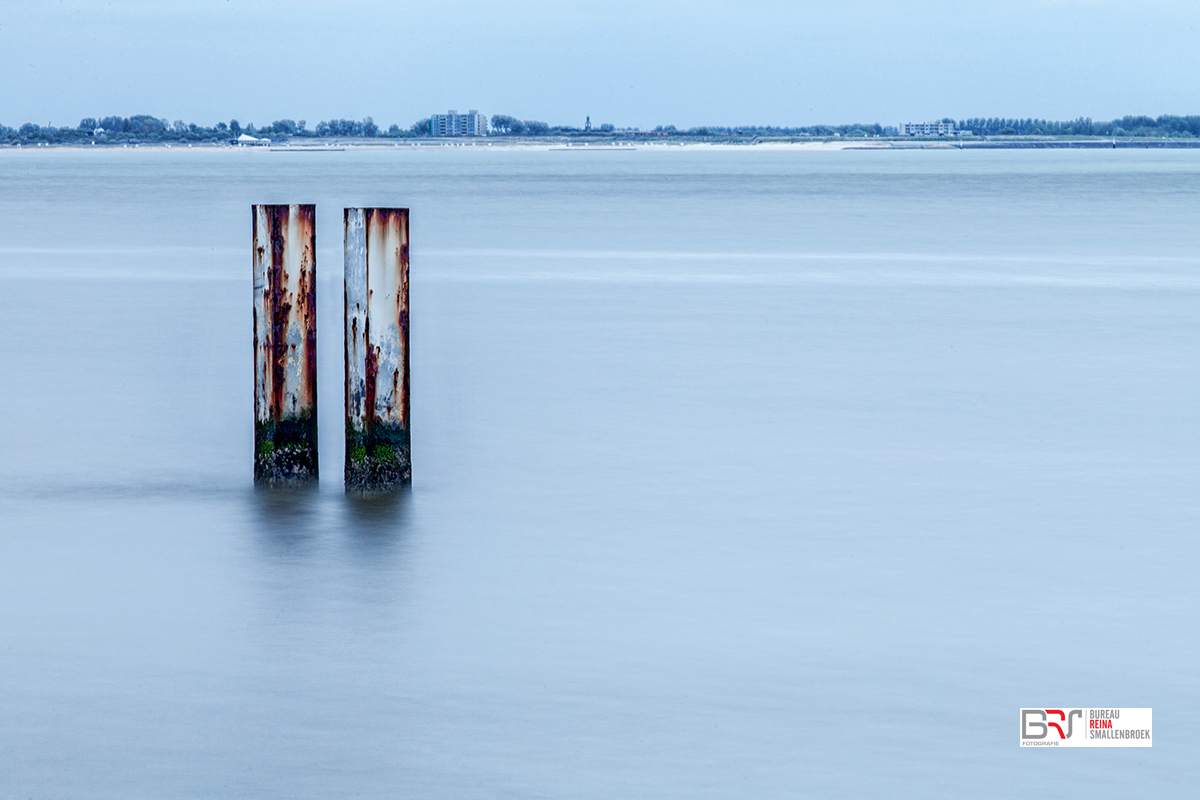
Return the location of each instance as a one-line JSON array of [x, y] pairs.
[[737, 474]]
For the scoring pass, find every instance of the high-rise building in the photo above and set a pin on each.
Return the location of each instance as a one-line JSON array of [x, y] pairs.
[[455, 124]]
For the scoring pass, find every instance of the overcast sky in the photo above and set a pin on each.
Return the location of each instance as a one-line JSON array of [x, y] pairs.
[[629, 62]]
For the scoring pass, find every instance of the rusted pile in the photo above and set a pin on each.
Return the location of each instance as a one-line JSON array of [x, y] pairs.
[[378, 452]]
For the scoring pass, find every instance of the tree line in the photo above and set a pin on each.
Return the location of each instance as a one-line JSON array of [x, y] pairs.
[[1166, 125], [146, 128]]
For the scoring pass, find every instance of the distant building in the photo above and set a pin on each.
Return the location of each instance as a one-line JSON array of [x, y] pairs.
[[927, 129], [455, 124], [246, 140]]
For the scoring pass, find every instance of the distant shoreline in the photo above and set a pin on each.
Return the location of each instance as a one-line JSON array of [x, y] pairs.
[[560, 144]]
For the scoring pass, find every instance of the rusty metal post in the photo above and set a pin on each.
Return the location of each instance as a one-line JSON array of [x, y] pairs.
[[285, 344], [378, 454]]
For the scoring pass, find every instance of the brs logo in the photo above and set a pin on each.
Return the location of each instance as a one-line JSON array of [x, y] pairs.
[[1064, 717]]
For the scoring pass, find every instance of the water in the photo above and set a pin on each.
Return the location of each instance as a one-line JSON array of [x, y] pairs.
[[737, 474]]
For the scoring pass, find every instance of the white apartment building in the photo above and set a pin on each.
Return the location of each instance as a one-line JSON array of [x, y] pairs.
[[455, 124], [927, 129]]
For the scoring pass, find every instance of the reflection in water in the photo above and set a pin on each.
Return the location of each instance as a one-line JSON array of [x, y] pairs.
[[379, 512], [376, 521], [319, 550], [286, 513], [297, 516]]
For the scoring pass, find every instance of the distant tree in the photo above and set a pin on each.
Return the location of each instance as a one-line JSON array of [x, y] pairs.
[[394, 131], [504, 124], [222, 127], [88, 124], [347, 127], [1179, 125], [1007, 130], [1133, 123], [535, 128], [285, 126], [144, 125], [606, 127], [29, 131], [421, 127], [235, 128]]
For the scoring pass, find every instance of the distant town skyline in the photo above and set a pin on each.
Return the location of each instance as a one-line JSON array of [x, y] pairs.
[[1165, 130], [632, 65]]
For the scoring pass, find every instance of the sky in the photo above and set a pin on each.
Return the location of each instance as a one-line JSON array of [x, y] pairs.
[[636, 63]]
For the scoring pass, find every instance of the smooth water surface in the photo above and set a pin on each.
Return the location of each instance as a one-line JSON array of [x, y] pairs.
[[738, 473]]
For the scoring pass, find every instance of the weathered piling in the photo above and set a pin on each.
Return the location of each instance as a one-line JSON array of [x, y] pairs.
[[378, 454], [285, 344]]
